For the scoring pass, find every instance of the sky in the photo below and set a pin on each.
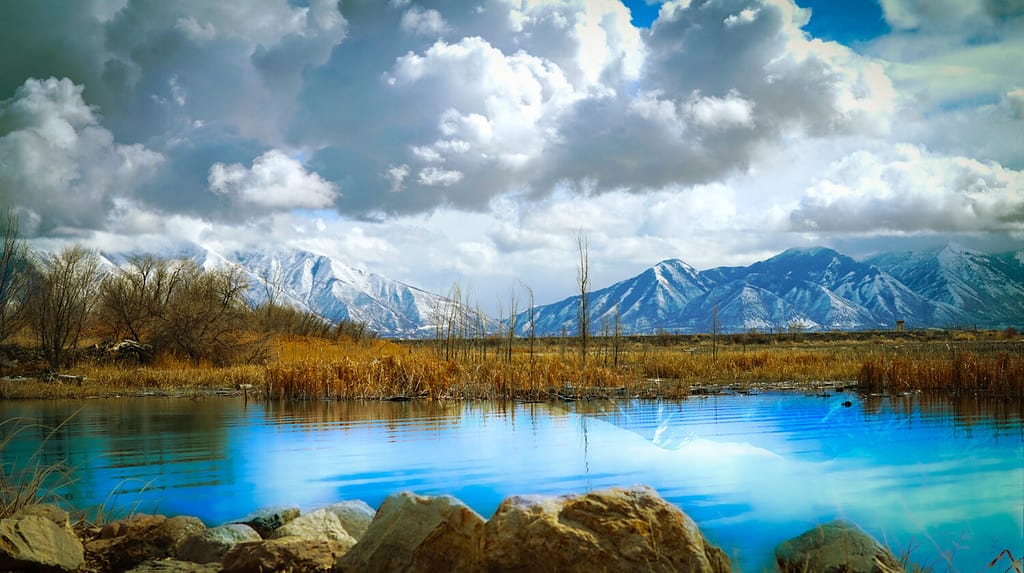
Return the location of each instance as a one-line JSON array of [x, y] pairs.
[[469, 142]]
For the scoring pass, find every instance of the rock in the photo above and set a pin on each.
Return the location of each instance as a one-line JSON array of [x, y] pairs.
[[135, 523], [127, 543], [283, 555], [174, 566], [320, 525], [36, 542], [355, 516], [210, 545], [839, 546], [417, 533], [266, 520], [609, 530], [51, 512]]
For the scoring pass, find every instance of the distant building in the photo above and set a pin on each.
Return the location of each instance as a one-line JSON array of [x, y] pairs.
[[899, 326]]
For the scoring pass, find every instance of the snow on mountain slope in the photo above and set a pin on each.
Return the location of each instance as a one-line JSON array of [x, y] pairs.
[[656, 298], [317, 283], [818, 289], [340, 292], [978, 288]]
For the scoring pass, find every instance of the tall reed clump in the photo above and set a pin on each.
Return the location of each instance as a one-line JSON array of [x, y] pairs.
[[1001, 373], [34, 481]]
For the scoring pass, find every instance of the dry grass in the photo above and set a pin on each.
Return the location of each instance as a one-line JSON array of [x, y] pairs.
[[1001, 373], [300, 367], [33, 481]]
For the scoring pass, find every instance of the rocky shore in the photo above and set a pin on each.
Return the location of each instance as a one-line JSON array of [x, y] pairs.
[[608, 530]]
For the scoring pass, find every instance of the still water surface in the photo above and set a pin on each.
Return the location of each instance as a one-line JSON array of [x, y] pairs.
[[943, 477]]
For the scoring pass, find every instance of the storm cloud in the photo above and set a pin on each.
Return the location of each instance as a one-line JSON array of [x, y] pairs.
[[722, 130]]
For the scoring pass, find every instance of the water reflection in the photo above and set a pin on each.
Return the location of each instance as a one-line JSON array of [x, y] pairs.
[[752, 470]]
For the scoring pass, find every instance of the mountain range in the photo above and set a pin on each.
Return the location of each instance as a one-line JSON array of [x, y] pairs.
[[813, 289]]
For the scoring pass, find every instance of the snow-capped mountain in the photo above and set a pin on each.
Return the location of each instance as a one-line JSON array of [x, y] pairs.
[[809, 289], [327, 287], [986, 289], [651, 300]]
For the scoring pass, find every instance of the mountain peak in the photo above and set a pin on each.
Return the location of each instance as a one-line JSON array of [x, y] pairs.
[[809, 252], [956, 249]]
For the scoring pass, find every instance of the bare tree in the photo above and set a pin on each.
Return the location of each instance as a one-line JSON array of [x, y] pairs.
[[583, 283], [532, 318], [207, 317], [511, 335], [134, 298], [62, 295], [14, 276]]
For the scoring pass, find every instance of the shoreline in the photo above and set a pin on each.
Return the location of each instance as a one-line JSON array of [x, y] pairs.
[[614, 528]]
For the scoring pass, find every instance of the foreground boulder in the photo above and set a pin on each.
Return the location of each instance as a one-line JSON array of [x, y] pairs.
[[210, 545], [126, 543], [836, 547], [609, 530], [417, 533], [35, 542], [321, 525], [283, 555], [355, 516]]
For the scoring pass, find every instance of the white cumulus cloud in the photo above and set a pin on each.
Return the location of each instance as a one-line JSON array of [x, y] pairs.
[[275, 181]]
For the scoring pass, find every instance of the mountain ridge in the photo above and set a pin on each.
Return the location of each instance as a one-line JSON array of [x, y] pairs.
[[808, 289]]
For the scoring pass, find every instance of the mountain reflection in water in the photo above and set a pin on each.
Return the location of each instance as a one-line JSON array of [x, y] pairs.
[[942, 475]]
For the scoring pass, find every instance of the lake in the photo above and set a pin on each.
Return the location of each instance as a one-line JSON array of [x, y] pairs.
[[942, 477]]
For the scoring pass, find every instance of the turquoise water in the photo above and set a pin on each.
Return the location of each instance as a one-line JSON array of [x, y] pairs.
[[943, 478]]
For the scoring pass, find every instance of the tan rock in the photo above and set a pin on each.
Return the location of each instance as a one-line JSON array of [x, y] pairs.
[[416, 533], [51, 512], [210, 545], [355, 516], [835, 547], [137, 522], [127, 543], [35, 542], [283, 555], [321, 525], [609, 530]]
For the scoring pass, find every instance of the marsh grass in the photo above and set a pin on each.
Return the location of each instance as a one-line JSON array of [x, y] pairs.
[[668, 366], [1001, 373], [32, 481]]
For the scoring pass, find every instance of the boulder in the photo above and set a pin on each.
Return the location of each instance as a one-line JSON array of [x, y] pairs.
[[283, 555], [267, 519], [839, 546], [174, 566], [210, 545], [320, 525], [355, 516], [134, 523], [129, 542], [51, 512], [609, 530], [36, 542], [418, 533]]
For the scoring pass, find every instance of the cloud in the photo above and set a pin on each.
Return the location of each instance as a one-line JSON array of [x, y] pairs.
[[949, 15], [907, 189], [720, 134], [275, 181], [59, 165], [422, 22]]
